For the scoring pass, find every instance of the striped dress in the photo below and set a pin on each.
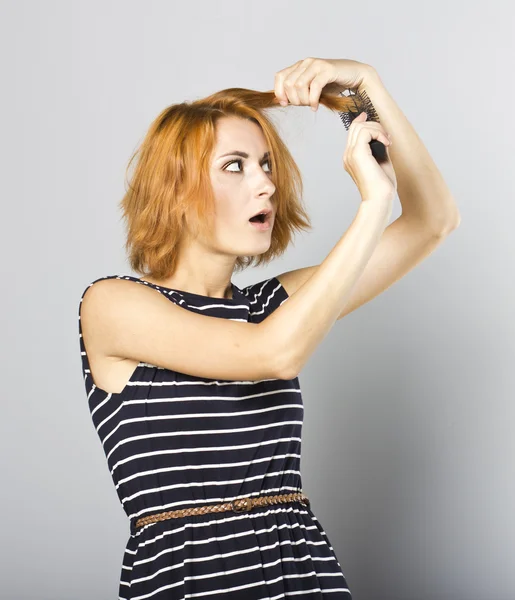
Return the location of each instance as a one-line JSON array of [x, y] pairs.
[[173, 441]]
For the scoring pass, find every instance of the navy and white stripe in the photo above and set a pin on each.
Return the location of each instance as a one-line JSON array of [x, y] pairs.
[[174, 441]]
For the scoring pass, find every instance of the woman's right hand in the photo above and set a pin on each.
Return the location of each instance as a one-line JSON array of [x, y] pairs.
[[375, 181]]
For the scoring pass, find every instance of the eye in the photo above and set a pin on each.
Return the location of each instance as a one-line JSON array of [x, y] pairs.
[[239, 162]]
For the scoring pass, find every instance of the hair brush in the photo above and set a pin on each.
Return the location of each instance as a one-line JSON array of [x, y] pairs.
[[362, 103]]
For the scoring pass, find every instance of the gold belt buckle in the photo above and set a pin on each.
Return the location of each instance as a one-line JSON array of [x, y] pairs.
[[245, 508]]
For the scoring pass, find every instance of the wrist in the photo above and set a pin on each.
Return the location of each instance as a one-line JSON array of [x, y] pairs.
[[380, 205], [370, 77]]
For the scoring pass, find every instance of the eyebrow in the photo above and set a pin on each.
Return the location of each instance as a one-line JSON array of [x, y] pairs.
[[243, 154]]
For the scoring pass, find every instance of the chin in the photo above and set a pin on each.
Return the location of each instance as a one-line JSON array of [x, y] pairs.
[[251, 244], [250, 249]]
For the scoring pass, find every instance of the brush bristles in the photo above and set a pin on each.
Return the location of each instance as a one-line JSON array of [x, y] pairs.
[[361, 103]]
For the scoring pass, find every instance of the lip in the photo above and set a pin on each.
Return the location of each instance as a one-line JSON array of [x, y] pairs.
[[269, 220], [268, 213], [262, 226]]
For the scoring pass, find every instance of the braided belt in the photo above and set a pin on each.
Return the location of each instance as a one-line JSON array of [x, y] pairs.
[[239, 505]]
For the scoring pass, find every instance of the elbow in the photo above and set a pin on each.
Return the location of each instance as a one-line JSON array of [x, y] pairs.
[[287, 375], [281, 358], [457, 222], [288, 367], [451, 224]]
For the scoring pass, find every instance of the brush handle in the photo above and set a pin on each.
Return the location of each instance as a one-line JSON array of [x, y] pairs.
[[378, 151], [377, 148]]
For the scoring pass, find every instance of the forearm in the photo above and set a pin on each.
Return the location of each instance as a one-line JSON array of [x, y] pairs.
[[422, 190], [302, 322]]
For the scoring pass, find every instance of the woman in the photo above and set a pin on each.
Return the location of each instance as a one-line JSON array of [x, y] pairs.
[[191, 381]]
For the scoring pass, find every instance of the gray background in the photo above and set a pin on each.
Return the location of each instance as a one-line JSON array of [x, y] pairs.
[[409, 413]]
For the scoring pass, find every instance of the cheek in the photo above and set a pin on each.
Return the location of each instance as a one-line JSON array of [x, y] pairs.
[[228, 221], [229, 212]]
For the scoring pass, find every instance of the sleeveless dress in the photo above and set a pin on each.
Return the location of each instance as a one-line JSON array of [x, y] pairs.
[[174, 441]]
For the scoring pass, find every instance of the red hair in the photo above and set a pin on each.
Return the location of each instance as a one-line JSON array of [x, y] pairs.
[[170, 188]]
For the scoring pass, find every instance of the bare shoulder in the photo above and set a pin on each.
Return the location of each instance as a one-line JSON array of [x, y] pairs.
[[124, 319], [110, 373], [99, 302]]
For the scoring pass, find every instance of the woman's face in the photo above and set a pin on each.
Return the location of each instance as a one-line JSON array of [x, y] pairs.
[[242, 188]]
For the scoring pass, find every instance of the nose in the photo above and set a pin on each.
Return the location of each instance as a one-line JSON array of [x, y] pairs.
[[265, 185]]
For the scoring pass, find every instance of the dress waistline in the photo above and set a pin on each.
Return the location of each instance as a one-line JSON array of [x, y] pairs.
[[239, 506]]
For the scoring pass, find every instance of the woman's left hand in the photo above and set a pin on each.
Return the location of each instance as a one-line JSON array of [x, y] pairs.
[[302, 83]]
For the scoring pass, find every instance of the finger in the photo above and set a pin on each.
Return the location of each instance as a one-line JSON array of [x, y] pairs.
[[293, 85], [367, 133], [383, 135], [376, 124], [302, 78], [355, 126], [359, 122], [315, 90], [280, 76]]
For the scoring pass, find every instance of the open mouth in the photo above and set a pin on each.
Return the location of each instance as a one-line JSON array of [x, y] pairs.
[[262, 221], [261, 218]]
